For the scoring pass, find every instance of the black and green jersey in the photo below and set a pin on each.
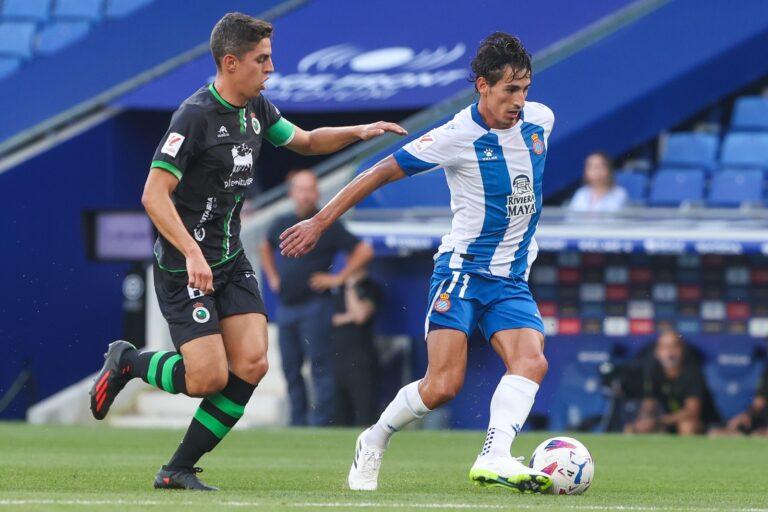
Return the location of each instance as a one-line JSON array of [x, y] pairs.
[[211, 147]]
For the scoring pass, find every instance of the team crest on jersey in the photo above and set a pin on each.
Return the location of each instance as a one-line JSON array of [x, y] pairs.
[[255, 124], [443, 303], [522, 201], [537, 144]]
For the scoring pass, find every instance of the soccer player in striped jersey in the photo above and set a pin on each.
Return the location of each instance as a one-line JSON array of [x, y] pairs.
[[493, 153]]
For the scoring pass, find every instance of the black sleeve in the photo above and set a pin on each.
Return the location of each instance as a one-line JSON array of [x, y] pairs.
[[342, 239], [182, 142], [266, 111], [694, 385], [273, 233]]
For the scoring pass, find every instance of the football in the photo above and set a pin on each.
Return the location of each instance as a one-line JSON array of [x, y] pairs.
[[567, 461]]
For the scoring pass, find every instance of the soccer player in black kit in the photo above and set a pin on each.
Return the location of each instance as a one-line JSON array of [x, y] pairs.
[[205, 285]]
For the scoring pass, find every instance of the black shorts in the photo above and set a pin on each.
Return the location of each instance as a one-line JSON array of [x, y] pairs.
[[191, 315]]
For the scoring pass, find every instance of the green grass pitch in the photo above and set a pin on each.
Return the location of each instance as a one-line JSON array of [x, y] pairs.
[[81, 468]]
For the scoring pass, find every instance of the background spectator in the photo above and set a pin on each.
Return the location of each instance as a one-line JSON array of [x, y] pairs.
[[675, 394], [356, 359], [599, 192], [303, 286]]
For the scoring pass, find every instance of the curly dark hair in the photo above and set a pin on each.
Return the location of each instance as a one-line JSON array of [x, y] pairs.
[[496, 52], [236, 34]]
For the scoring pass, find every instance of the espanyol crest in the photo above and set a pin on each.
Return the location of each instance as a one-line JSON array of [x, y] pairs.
[[537, 144]]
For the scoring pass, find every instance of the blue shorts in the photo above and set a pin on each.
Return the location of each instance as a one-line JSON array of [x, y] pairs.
[[462, 300]]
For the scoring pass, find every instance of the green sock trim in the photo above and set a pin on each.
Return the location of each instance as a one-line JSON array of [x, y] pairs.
[[227, 406], [215, 426], [152, 372], [167, 379]]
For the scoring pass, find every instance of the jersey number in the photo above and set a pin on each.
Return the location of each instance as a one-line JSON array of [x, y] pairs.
[[465, 281]]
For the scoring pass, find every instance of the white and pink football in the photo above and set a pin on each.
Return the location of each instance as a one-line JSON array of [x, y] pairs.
[[567, 461]]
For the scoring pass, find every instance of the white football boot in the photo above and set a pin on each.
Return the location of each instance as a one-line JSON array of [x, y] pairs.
[[364, 473], [509, 473]]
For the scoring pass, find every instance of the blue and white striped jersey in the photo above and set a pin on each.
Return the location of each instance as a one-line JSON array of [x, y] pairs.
[[495, 179]]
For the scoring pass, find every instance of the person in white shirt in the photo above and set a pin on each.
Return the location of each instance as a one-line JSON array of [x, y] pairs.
[[493, 153], [599, 192]]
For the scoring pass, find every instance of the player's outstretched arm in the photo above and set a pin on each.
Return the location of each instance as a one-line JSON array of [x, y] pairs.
[[322, 141], [302, 237]]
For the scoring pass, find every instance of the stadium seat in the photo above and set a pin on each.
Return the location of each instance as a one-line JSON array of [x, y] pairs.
[[78, 9], [691, 150], [120, 8], [750, 113], [16, 39], [674, 187], [635, 184], [36, 10], [60, 34], [745, 150], [732, 377], [734, 188], [579, 402], [8, 66]]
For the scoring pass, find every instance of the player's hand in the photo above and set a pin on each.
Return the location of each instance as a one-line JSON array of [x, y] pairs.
[[300, 238], [370, 131], [321, 281], [199, 272]]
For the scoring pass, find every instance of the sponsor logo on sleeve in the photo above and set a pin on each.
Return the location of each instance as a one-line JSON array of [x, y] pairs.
[[173, 144], [424, 142]]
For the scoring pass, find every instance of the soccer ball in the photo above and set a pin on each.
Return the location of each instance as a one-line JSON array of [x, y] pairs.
[[567, 461]]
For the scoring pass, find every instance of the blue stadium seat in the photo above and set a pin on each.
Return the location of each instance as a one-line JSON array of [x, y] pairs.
[[634, 183], [120, 8], [695, 150], [16, 39], [732, 377], [36, 10], [672, 187], [60, 34], [745, 150], [579, 400], [734, 188], [8, 66], [78, 9], [750, 113]]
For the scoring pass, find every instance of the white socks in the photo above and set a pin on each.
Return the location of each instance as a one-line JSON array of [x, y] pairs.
[[405, 408], [510, 406]]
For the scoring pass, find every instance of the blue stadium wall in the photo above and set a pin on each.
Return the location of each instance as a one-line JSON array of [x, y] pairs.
[[61, 309]]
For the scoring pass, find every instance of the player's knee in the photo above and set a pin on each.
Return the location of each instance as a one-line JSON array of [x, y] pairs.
[[534, 367], [443, 390], [207, 383], [252, 370]]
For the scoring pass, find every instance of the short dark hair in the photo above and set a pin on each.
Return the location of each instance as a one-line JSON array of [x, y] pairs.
[[496, 52], [235, 34]]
